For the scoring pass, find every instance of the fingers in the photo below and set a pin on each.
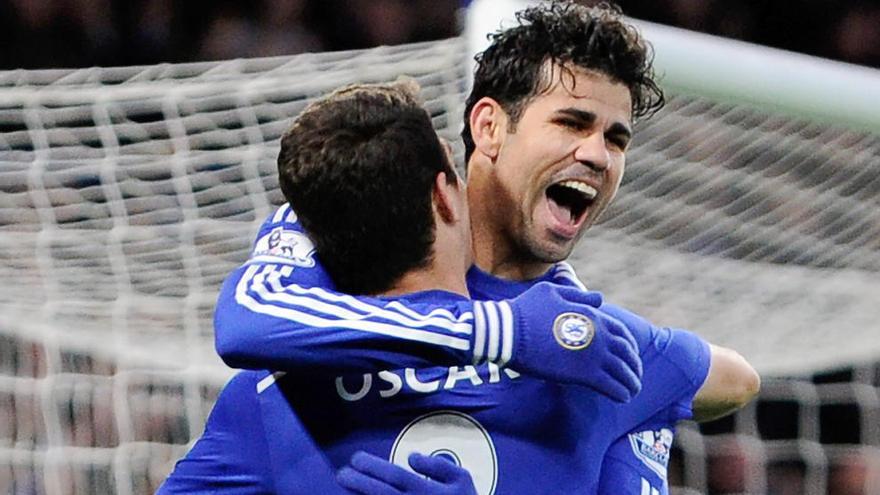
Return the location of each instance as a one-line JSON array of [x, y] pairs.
[[578, 296], [384, 470], [624, 351], [624, 377], [619, 329], [362, 484], [371, 475], [613, 387], [436, 468], [630, 381]]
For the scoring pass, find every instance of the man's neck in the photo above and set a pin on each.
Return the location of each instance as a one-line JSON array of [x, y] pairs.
[[490, 257], [494, 251]]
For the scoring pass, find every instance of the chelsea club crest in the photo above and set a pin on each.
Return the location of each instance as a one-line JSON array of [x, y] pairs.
[[573, 331]]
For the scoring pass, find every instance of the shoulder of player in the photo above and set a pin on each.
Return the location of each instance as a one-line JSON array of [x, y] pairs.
[[563, 273], [283, 217], [682, 349], [245, 383], [282, 239]]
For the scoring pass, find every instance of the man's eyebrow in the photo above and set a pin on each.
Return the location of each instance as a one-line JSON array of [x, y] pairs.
[[585, 117]]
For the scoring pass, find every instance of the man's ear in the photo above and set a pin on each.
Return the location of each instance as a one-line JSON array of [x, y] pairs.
[[444, 198], [488, 126]]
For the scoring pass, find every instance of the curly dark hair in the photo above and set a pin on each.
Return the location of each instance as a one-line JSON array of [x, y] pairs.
[[568, 35]]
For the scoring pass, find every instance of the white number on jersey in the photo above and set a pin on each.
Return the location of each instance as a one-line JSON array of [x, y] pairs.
[[456, 436]]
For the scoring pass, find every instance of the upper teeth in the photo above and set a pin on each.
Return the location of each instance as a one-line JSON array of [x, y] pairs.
[[580, 186]]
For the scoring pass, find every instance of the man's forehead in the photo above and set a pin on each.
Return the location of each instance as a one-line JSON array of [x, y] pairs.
[[586, 86]]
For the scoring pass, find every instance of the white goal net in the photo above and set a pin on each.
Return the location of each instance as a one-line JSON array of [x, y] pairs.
[[127, 194]]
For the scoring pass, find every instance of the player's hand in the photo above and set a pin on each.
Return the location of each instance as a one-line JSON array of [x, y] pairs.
[[562, 336], [371, 475]]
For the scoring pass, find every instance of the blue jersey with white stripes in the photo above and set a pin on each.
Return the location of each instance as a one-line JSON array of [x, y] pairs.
[[386, 375], [279, 311]]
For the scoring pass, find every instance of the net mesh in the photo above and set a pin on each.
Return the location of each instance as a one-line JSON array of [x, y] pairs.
[[761, 231], [127, 194]]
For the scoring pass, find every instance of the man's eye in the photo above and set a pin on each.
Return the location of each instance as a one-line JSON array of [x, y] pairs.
[[572, 124], [619, 142]]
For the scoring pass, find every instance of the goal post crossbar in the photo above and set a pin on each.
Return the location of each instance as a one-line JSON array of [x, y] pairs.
[[734, 71], [766, 78]]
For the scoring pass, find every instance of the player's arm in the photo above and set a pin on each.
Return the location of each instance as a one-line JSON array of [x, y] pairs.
[[273, 313], [731, 384], [263, 321], [279, 311], [703, 380]]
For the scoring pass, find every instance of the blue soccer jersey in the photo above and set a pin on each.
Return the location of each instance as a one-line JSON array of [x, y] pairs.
[[360, 386]]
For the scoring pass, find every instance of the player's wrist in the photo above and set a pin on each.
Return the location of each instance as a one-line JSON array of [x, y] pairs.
[[493, 336], [521, 358]]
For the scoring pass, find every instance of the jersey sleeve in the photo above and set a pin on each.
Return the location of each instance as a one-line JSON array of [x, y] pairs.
[[692, 356], [675, 363], [279, 311]]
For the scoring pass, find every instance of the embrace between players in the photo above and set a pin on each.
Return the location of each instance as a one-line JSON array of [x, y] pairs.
[[467, 351]]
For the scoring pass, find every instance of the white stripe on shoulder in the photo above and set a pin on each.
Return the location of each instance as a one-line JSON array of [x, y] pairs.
[[291, 217], [565, 271], [281, 212], [268, 381], [434, 312], [276, 292]]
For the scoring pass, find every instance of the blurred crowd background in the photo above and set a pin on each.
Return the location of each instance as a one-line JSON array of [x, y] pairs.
[[84, 33]]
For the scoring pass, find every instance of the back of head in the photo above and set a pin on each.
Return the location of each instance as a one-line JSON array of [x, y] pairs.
[[358, 167], [512, 69]]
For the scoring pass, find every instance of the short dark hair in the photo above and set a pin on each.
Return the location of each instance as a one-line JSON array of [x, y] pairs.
[[566, 34], [358, 167]]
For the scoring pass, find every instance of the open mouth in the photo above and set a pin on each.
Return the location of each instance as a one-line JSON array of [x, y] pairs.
[[569, 200]]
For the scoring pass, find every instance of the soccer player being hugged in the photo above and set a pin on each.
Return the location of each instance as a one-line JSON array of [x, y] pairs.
[[527, 397], [372, 151]]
